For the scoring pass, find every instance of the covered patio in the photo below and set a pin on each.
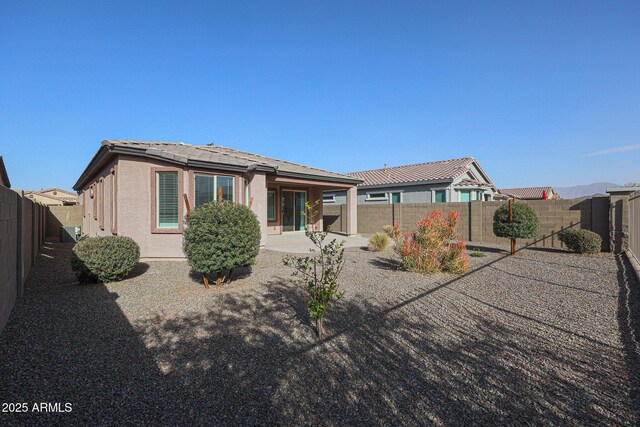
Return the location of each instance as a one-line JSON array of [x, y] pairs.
[[297, 242]]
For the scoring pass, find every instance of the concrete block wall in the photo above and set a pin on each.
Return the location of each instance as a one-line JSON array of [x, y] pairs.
[[8, 253], [22, 225], [476, 218], [57, 216], [634, 224]]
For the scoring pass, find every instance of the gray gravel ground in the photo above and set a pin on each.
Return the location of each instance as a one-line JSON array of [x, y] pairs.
[[544, 337]]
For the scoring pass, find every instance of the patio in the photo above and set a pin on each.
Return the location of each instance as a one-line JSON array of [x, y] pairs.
[[297, 242]]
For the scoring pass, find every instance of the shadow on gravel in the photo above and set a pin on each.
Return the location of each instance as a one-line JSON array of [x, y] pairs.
[[252, 358], [629, 324]]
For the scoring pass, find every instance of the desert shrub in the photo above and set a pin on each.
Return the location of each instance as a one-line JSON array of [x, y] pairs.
[[104, 259], [319, 271], [220, 236], [477, 253], [581, 241], [523, 226], [379, 242], [388, 230], [434, 247]]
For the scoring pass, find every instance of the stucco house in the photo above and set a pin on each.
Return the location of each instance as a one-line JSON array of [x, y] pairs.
[[453, 180], [530, 193], [137, 188], [52, 197]]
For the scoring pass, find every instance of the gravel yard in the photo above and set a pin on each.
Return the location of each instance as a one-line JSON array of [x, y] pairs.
[[544, 337]]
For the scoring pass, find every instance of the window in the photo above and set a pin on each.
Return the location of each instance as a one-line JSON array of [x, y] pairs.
[[84, 203], [440, 196], [167, 198], [376, 196], [479, 195], [328, 198], [94, 196], [396, 197], [112, 198], [246, 192], [209, 187], [271, 205], [465, 196], [101, 195]]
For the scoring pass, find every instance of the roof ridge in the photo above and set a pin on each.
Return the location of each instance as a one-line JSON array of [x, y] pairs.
[[266, 157], [415, 164]]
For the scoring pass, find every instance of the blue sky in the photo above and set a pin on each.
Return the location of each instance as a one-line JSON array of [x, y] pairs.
[[540, 92]]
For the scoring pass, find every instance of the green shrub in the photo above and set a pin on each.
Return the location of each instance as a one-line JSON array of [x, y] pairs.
[[104, 259], [220, 236], [581, 241], [477, 253], [379, 242], [524, 226]]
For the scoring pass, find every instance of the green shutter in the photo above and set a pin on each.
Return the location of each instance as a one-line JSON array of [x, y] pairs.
[[465, 196], [167, 194]]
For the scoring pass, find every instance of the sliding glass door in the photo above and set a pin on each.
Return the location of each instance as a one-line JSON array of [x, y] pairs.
[[293, 207]]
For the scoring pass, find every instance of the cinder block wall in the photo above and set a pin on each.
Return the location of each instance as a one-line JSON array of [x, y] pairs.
[[8, 252], [22, 224], [634, 224], [476, 218], [58, 216]]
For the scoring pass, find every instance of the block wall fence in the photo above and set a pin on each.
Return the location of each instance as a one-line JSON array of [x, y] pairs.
[[634, 225], [476, 218], [22, 233]]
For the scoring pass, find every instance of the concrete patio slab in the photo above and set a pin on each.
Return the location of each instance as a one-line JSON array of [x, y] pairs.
[[297, 242]]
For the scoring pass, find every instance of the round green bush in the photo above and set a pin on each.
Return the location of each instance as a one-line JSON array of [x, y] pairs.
[[104, 258], [581, 241], [524, 226], [220, 236]]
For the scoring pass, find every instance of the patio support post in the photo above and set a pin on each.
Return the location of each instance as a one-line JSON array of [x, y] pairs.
[[352, 211], [258, 202]]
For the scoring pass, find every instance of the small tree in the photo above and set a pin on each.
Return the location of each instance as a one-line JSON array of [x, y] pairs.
[[219, 237], [319, 271], [515, 221]]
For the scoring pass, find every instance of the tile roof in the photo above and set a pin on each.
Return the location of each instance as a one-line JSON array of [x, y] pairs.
[[474, 183], [428, 171], [527, 192], [213, 155]]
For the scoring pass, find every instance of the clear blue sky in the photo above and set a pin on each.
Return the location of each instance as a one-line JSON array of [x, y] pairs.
[[540, 92]]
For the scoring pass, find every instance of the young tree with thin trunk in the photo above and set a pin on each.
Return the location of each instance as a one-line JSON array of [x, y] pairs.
[[515, 221], [319, 271]]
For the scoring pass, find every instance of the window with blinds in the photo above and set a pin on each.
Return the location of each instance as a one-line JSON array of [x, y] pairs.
[[208, 188], [167, 198], [204, 189]]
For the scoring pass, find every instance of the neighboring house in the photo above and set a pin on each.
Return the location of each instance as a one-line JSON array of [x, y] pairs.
[[53, 197], [529, 193], [454, 180], [136, 189], [4, 177]]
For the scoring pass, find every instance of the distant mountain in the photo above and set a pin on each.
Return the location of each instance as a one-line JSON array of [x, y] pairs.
[[584, 190]]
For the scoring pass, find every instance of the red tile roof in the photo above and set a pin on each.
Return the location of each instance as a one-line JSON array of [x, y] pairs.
[[428, 171], [527, 193]]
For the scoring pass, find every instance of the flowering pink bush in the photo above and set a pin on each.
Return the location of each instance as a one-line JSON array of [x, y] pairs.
[[434, 247]]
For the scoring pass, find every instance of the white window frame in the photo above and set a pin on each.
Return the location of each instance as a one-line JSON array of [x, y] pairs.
[[331, 200], [433, 195], [391, 196], [377, 199]]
